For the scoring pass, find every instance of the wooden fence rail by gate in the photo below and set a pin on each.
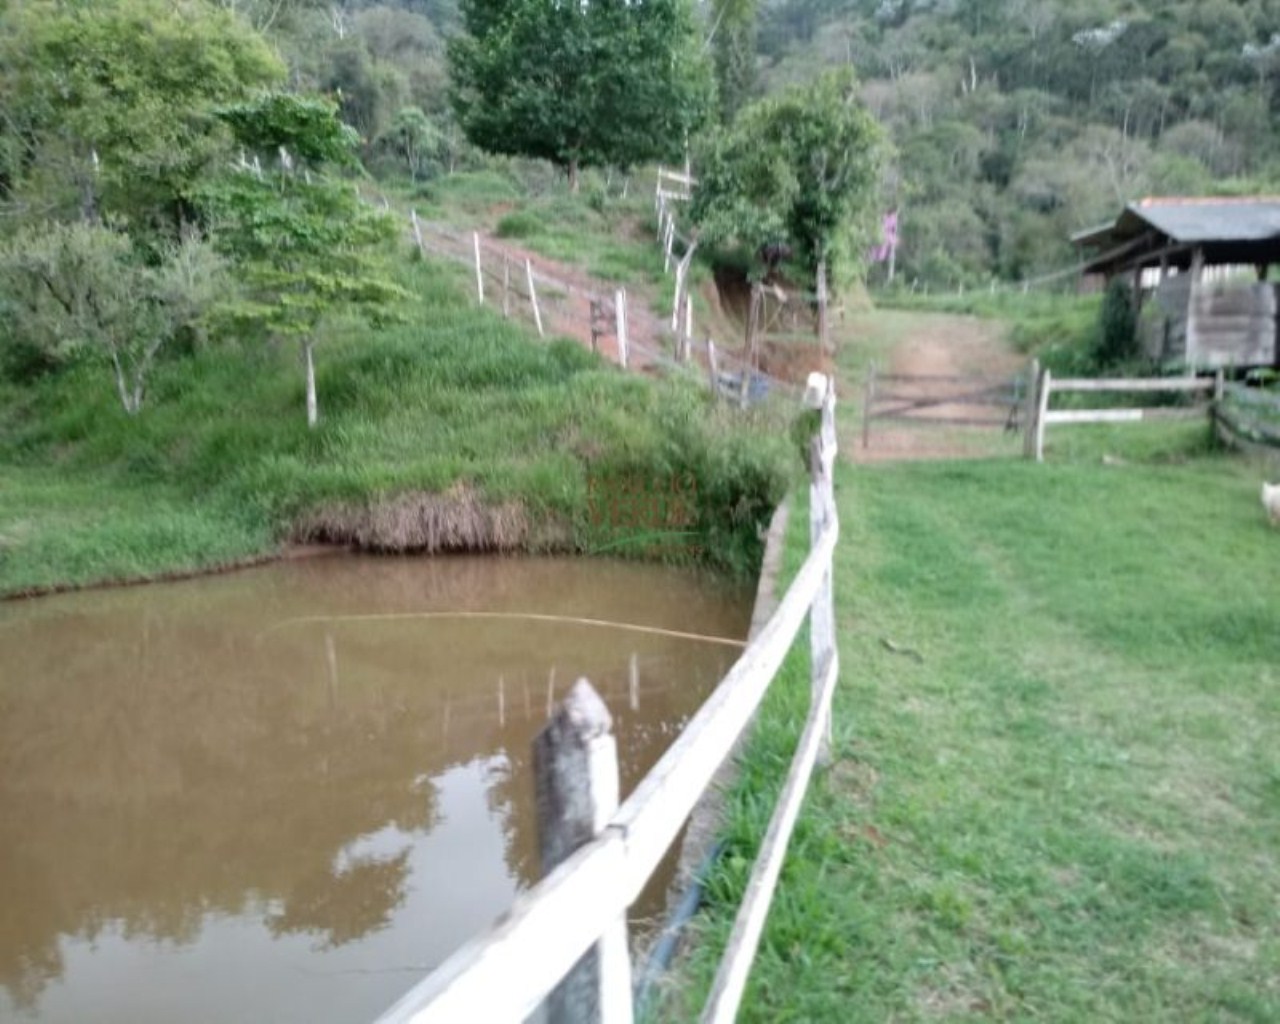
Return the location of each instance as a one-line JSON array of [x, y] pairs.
[[563, 944], [1046, 386]]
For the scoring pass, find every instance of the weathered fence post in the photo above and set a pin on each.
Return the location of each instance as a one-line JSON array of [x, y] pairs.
[[822, 625], [868, 400], [596, 316], [753, 321], [1219, 386], [533, 296], [506, 285], [620, 313], [1032, 405], [417, 231], [475, 241], [688, 327], [575, 764], [1042, 409], [713, 368]]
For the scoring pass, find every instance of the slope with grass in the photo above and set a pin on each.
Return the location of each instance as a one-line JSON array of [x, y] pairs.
[[1065, 804], [451, 430]]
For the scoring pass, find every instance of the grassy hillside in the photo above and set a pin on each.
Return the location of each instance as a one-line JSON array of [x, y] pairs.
[[524, 445], [1068, 808]]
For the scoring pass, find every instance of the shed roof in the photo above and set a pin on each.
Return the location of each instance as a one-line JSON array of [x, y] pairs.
[[1247, 219], [1244, 229]]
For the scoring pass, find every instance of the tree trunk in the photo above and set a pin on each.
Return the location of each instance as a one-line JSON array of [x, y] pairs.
[[313, 412], [122, 388], [572, 172], [822, 304], [753, 323]]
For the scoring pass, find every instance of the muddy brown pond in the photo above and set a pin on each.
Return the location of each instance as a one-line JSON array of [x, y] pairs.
[[286, 793]]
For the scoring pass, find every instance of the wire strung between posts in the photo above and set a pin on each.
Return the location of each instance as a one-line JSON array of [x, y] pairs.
[[525, 616]]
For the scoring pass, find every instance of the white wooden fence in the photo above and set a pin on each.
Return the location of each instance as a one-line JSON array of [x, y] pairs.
[[1045, 386], [563, 943]]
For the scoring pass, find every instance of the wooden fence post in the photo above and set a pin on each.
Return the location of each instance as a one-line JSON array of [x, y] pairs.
[[868, 400], [506, 285], [620, 313], [417, 231], [713, 368], [533, 297], [475, 241], [1031, 404], [1042, 408], [1219, 385], [753, 321], [575, 764], [595, 316], [822, 624], [688, 327]]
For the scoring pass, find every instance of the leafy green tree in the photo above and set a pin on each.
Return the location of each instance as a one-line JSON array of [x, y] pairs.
[[414, 139], [304, 244], [107, 104], [78, 286], [800, 168], [733, 46], [605, 83]]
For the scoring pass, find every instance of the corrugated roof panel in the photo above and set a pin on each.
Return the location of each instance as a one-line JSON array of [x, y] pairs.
[[1251, 219]]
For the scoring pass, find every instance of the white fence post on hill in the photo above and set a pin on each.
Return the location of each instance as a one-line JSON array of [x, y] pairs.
[[533, 296], [620, 313]]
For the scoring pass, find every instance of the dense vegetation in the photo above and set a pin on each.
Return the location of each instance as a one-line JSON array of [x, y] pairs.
[[1019, 123], [182, 183]]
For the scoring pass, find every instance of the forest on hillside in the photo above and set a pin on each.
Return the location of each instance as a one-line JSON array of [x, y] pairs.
[[1017, 123], [1013, 124]]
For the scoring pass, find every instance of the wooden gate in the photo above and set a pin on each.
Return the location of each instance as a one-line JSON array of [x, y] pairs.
[[897, 405]]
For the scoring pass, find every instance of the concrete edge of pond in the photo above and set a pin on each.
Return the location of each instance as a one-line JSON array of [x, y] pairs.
[[702, 832]]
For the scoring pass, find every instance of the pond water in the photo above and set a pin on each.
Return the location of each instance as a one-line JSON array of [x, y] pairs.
[[284, 794]]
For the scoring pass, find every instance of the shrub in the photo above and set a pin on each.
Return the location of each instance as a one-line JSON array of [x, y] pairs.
[[1117, 336], [520, 224]]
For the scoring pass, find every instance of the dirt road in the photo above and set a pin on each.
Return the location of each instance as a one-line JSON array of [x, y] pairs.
[[934, 345]]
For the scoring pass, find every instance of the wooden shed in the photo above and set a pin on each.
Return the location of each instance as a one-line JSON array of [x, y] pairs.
[[1200, 271]]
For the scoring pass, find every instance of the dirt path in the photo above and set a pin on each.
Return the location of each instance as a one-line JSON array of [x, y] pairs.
[[936, 345]]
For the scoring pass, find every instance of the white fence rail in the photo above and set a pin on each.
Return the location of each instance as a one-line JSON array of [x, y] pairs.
[[565, 937], [1045, 386]]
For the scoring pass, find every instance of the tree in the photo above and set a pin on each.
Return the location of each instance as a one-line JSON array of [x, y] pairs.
[[733, 44], [606, 82], [414, 139], [106, 104], [79, 285], [304, 244], [799, 169]]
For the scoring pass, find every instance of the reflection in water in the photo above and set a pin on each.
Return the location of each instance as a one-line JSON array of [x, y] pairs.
[[212, 811]]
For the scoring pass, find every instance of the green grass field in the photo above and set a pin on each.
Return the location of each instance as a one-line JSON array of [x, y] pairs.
[[1069, 808]]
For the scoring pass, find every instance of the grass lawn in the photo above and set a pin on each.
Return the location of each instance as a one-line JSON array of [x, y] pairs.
[[1069, 808]]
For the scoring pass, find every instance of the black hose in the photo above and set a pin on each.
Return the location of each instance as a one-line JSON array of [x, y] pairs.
[[664, 949]]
